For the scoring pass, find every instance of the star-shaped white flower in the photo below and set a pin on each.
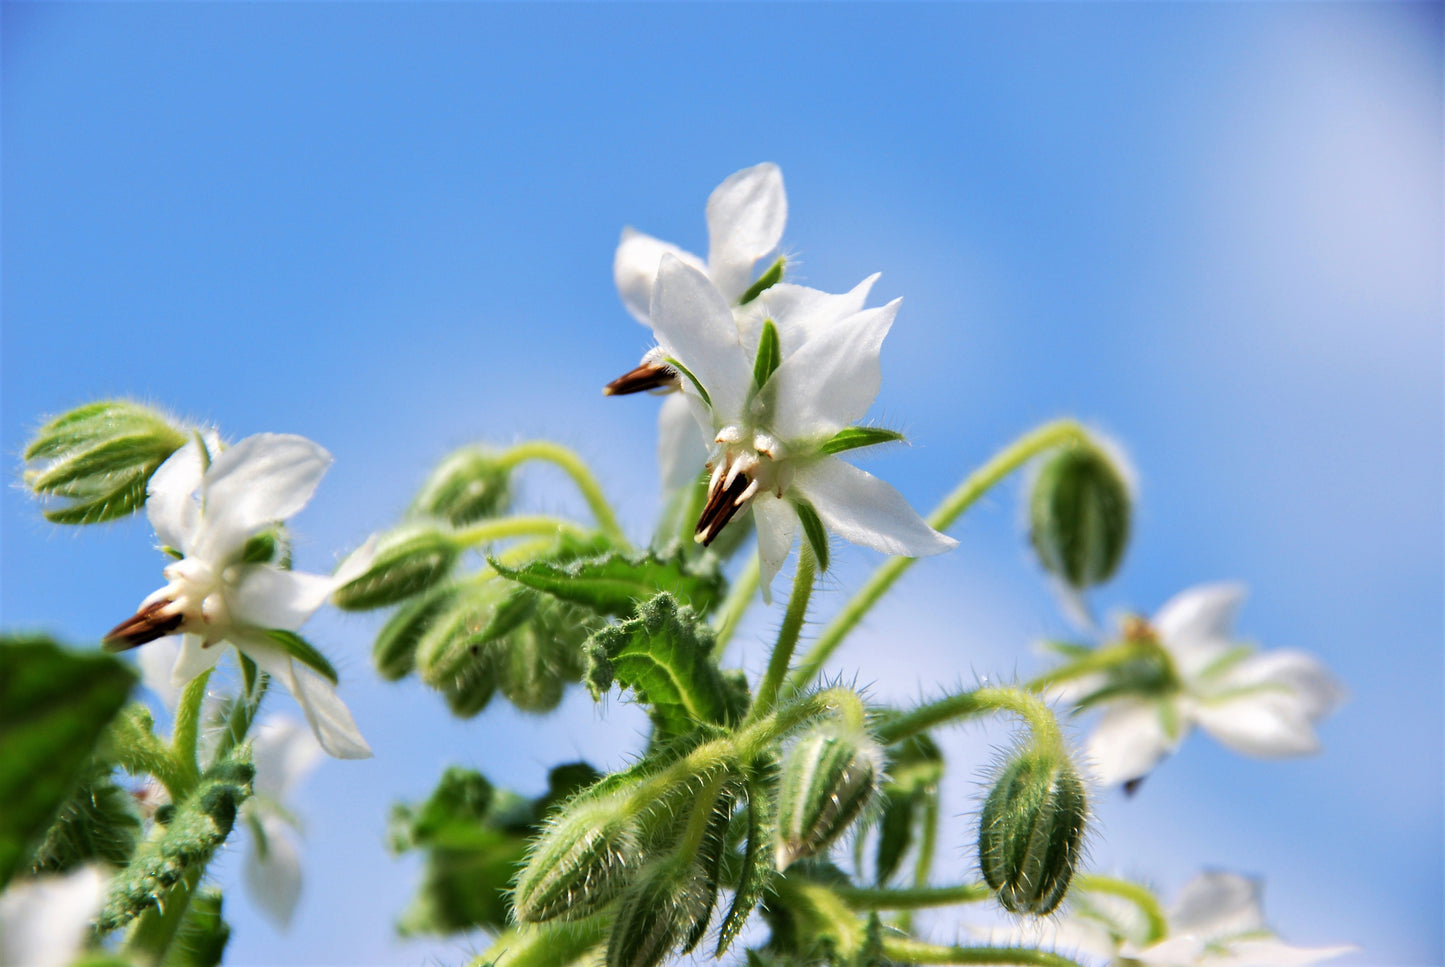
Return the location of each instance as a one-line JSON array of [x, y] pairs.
[[745, 219], [774, 415], [1217, 921], [207, 509], [1261, 704], [284, 753]]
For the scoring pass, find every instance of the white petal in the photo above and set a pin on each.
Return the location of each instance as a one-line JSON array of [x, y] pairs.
[[357, 563], [681, 451], [45, 921], [634, 268], [284, 752], [1128, 742], [745, 219], [1217, 905], [273, 881], [330, 721], [156, 659], [172, 504], [777, 524], [1315, 691], [696, 327], [268, 597], [1267, 724], [832, 379], [1275, 953], [1206, 611], [264, 478], [1179, 951], [800, 312], [194, 658], [859, 507]]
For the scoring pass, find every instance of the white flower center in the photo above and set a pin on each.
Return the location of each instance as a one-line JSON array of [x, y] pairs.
[[196, 591], [744, 463]]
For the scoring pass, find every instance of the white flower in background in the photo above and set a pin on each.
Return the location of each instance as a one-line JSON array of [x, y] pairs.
[[284, 753], [774, 416], [207, 509], [1217, 921], [745, 219], [45, 921], [1262, 704]]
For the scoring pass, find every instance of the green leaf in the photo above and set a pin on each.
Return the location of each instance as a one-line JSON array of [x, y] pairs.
[[769, 357], [665, 656], [614, 583], [757, 872], [303, 651], [202, 936], [855, 437], [766, 281], [54, 706], [814, 530], [98, 823], [701, 390]]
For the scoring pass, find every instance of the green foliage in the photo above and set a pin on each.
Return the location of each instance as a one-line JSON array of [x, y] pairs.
[[98, 823], [769, 356], [915, 767], [54, 706], [301, 650], [196, 828], [757, 871], [855, 437], [468, 485], [615, 583], [814, 531], [202, 935], [99, 458], [766, 281], [664, 655]]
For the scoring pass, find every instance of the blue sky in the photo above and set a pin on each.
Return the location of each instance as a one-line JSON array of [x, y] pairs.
[[1213, 231]]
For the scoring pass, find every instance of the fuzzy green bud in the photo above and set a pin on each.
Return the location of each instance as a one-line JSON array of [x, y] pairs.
[[468, 485], [1031, 831], [1079, 516], [583, 860], [669, 904], [827, 779], [407, 561], [99, 458], [394, 651]]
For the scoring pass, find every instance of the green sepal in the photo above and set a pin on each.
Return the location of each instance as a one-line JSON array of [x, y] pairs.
[[303, 651], [813, 530], [613, 584], [856, 437], [54, 707], [769, 356], [664, 655], [100, 457], [828, 778], [197, 827], [261, 548], [701, 390], [407, 561], [915, 767], [756, 876], [766, 281], [468, 485], [203, 934]]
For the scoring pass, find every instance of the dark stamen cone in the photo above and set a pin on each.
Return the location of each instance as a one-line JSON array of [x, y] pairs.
[[722, 504], [147, 624], [648, 376]]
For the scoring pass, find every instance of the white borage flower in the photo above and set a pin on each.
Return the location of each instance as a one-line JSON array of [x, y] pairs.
[[206, 511], [45, 921], [745, 218], [778, 415], [1259, 703], [1216, 921], [284, 753]]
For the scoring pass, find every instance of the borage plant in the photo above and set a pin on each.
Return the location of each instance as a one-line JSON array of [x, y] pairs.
[[731, 812]]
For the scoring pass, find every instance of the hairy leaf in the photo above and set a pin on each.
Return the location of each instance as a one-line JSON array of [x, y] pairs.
[[613, 584]]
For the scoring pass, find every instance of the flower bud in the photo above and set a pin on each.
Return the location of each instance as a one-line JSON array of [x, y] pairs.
[[583, 860], [394, 651], [827, 779], [406, 562], [669, 903], [1079, 516], [468, 485], [100, 458], [1030, 832]]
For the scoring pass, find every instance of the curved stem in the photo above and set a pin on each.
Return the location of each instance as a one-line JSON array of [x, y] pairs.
[[574, 467], [787, 636], [740, 596], [185, 736], [1141, 896], [1026, 706], [860, 898], [906, 951], [1098, 660], [927, 845], [974, 486], [501, 528]]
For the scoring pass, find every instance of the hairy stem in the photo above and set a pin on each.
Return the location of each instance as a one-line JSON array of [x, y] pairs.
[[574, 467], [740, 596], [501, 528], [1141, 896], [917, 898], [905, 951], [782, 655], [974, 486], [952, 708]]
